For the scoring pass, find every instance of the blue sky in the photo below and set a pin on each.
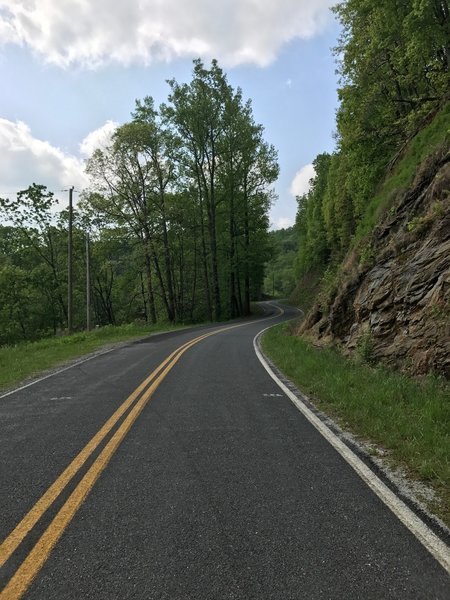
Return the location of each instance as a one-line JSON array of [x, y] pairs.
[[61, 87]]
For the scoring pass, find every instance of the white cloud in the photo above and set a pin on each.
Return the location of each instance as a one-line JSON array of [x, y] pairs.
[[27, 160], [301, 183], [283, 223], [66, 32], [99, 138]]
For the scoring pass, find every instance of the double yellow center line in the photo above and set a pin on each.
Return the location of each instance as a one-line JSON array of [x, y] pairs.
[[32, 564]]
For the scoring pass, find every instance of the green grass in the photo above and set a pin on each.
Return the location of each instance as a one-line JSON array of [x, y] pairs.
[[407, 417], [29, 358], [424, 144]]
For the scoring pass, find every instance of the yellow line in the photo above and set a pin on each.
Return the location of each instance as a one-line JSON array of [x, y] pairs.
[[15, 538], [28, 570]]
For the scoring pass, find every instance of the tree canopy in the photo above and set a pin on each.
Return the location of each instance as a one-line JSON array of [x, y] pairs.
[[393, 61], [177, 213]]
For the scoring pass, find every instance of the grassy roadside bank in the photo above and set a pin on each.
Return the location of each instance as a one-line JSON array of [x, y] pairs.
[[409, 419], [29, 358]]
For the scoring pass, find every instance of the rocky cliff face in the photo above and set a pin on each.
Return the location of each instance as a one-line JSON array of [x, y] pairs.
[[396, 308]]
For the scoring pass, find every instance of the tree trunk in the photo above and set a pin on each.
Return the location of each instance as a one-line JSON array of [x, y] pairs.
[[144, 299], [238, 280], [168, 267], [205, 262], [213, 243], [246, 254], [194, 280], [234, 309], [151, 318], [170, 314]]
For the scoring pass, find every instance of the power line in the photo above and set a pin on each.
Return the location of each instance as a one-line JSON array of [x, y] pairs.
[[3, 193]]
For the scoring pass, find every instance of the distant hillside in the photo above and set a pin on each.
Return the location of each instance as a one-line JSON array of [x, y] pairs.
[[280, 277]]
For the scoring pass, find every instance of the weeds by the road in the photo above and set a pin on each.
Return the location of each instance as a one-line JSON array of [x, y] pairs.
[[410, 419], [29, 358]]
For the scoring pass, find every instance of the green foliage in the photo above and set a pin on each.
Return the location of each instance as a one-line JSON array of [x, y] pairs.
[[367, 256], [304, 295], [33, 254], [329, 286], [310, 222], [228, 167], [428, 140], [365, 348], [279, 278]]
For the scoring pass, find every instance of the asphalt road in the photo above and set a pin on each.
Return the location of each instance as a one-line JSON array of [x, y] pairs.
[[219, 489]]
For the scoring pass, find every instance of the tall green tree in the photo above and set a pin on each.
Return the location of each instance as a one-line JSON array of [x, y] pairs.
[[196, 111], [124, 178], [32, 214], [226, 161]]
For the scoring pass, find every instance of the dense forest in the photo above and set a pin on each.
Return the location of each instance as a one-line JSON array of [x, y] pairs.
[[176, 216], [279, 280], [393, 61]]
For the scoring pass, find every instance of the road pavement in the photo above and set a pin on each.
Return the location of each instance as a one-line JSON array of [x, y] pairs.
[[205, 483]]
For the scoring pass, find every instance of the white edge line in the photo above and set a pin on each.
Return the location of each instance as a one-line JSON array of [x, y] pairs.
[[75, 364], [422, 532]]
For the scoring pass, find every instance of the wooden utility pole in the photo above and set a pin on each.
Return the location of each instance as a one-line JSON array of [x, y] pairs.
[[88, 285], [70, 266]]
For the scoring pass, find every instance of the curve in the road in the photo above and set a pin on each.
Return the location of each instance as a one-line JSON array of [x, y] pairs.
[[24, 575]]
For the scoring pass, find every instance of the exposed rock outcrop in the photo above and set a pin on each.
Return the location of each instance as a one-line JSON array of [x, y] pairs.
[[401, 300]]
